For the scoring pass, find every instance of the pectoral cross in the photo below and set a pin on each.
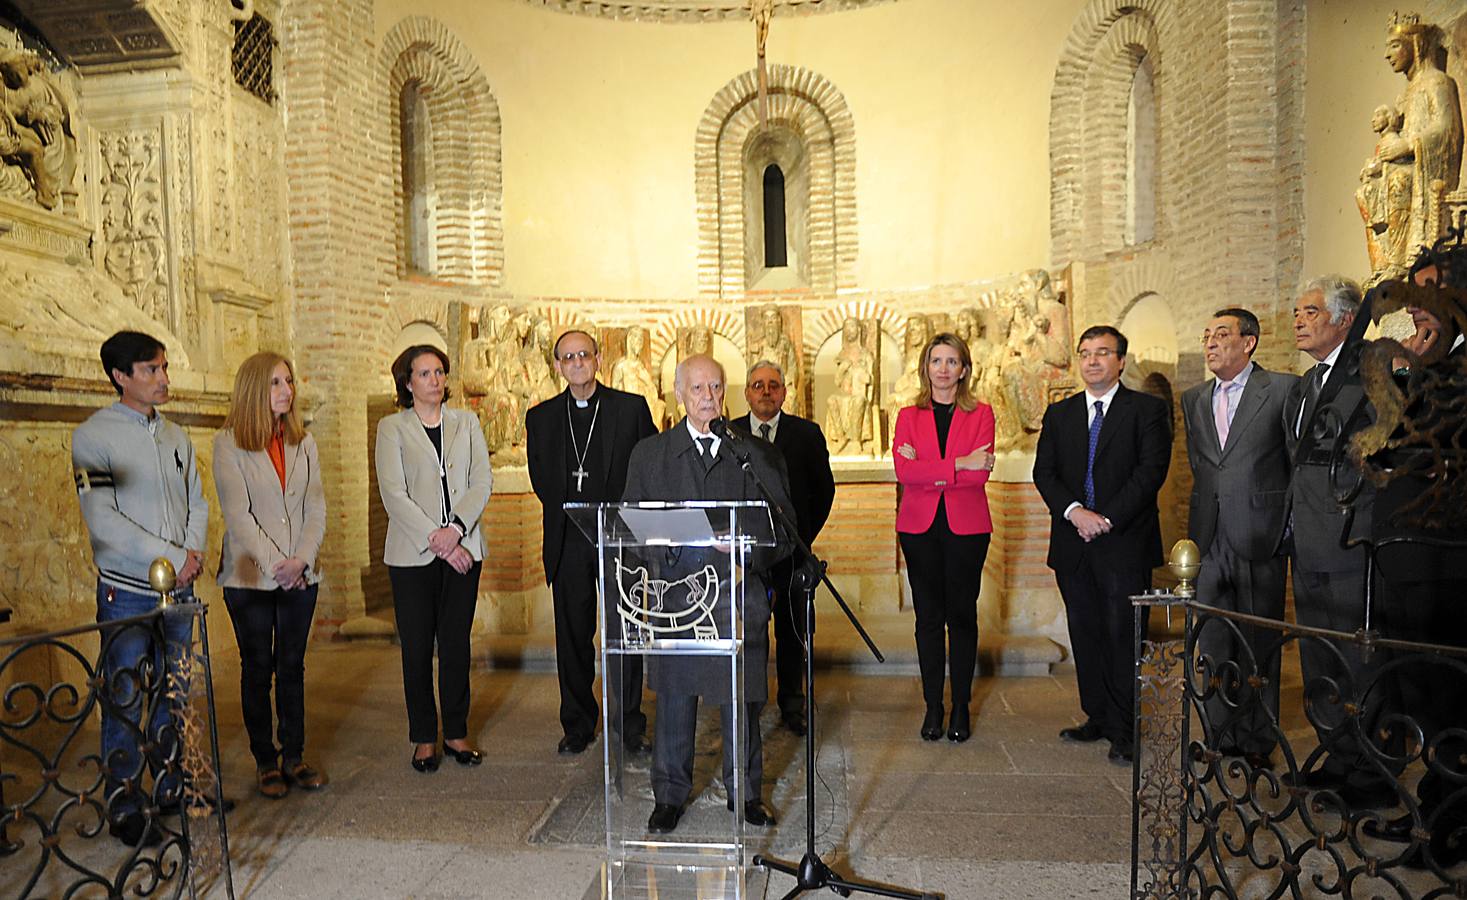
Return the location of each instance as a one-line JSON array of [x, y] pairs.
[[580, 474]]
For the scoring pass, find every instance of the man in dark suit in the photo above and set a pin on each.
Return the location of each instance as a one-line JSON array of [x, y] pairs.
[[1240, 472], [1329, 578], [579, 443], [688, 462], [1102, 457], [812, 490]]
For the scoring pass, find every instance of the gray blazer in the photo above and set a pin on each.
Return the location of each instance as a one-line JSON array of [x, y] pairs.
[[1239, 492], [412, 492], [264, 524]]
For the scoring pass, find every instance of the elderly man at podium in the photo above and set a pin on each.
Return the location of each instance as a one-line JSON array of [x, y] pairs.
[[690, 462]]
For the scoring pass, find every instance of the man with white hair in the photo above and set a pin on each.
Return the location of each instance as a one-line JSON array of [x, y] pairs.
[[690, 462], [1329, 578]]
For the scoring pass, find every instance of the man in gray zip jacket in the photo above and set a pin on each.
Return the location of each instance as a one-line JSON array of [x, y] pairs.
[[141, 497]]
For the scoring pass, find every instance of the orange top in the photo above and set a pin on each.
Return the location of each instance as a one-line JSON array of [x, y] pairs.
[[277, 454]]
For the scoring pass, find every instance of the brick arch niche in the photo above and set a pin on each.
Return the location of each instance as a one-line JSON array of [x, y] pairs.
[[448, 190], [1089, 195], [811, 135]]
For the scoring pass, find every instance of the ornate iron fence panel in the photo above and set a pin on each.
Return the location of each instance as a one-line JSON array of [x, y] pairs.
[[1356, 788], [65, 808]]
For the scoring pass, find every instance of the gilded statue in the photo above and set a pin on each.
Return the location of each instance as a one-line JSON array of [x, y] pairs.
[[1429, 142], [631, 374], [774, 344], [35, 128], [1384, 195], [847, 419]]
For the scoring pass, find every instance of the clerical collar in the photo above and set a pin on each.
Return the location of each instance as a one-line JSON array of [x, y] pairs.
[[582, 404]]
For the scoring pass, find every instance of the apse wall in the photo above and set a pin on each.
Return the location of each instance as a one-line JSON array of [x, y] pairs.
[[950, 104]]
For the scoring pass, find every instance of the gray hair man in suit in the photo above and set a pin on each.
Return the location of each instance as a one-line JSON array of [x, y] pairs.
[[690, 462], [1240, 471]]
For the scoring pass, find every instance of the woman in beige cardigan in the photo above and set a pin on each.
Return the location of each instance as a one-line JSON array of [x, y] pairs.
[[433, 472], [269, 481]]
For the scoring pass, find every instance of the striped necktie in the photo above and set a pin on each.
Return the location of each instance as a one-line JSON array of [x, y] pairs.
[[1090, 455]]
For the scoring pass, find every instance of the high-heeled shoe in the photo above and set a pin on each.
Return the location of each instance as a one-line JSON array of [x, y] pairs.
[[932, 723], [470, 757], [427, 763], [959, 728]]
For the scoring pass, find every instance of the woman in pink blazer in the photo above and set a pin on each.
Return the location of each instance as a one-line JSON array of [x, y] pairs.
[[943, 451]]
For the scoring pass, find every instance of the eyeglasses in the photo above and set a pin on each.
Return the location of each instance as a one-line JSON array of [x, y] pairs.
[[766, 385], [581, 355], [1102, 354], [1221, 334]]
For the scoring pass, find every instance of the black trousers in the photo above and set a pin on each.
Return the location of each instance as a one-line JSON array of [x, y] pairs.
[[787, 609], [672, 753], [272, 628], [435, 606], [1102, 636], [574, 595], [946, 572]]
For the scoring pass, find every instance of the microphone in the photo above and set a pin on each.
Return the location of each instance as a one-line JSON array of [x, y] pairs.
[[719, 426]]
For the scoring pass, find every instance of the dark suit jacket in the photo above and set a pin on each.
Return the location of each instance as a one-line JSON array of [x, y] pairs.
[[807, 459], [1239, 491], [668, 467], [1319, 522], [1131, 460], [622, 421]]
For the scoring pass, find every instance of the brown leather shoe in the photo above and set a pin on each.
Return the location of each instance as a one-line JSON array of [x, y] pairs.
[[305, 777], [272, 783]]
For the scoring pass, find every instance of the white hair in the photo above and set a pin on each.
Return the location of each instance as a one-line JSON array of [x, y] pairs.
[[679, 381], [1341, 295]]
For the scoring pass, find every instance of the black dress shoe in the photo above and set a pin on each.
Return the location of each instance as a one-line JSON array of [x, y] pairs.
[[427, 763], [959, 728], [1088, 733], [469, 757], [756, 813], [638, 745], [1397, 830], [795, 721], [664, 818], [135, 831], [572, 744], [932, 723], [1121, 753]]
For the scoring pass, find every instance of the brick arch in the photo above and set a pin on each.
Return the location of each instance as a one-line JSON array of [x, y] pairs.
[[1087, 120], [1149, 275], [466, 148], [812, 109]]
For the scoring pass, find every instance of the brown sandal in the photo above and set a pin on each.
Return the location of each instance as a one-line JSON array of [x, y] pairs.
[[272, 783], [305, 777]]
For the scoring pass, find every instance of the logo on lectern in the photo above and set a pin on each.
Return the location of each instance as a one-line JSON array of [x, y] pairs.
[[651, 608]]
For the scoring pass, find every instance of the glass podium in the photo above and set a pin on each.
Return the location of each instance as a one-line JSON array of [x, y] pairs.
[[670, 587]]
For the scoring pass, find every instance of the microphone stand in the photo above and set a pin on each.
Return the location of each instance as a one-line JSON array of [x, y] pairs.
[[811, 873]]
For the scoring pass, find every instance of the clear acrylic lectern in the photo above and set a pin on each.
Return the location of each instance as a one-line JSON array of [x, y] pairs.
[[671, 592]]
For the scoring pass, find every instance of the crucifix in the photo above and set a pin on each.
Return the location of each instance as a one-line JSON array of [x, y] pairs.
[[580, 474], [762, 11]]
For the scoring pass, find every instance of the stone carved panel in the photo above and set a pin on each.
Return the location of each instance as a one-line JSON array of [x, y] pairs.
[[47, 564], [775, 334], [851, 429], [38, 149], [133, 217], [627, 355]]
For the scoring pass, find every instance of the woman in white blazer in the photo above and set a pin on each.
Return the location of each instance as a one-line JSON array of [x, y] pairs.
[[433, 472], [269, 481]]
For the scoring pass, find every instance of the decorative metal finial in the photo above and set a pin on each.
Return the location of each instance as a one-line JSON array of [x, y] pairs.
[[163, 579], [1185, 562]]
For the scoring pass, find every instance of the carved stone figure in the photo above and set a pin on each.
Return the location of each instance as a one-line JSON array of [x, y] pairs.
[[1430, 138], [487, 363], [538, 375], [1384, 196], [35, 128], [632, 374], [772, 343], [847, 423], [909, 383]]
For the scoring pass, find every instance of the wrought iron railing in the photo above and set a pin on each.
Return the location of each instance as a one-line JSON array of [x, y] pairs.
[[1207, 821], [59, 798]]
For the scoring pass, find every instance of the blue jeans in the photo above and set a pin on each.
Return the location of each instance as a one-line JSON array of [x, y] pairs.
[[132, 664]]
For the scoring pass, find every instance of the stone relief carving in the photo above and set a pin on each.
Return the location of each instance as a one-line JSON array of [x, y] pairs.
[[1384, 196], [909, 383], [847, 417], [132, 217], [1031, 354], [37, 142], [1425, 153], [490, 362], [772, 341], [633, 373], [539, 379]]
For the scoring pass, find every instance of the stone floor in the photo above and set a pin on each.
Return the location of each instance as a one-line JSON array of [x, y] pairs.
[[1013, 813]]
